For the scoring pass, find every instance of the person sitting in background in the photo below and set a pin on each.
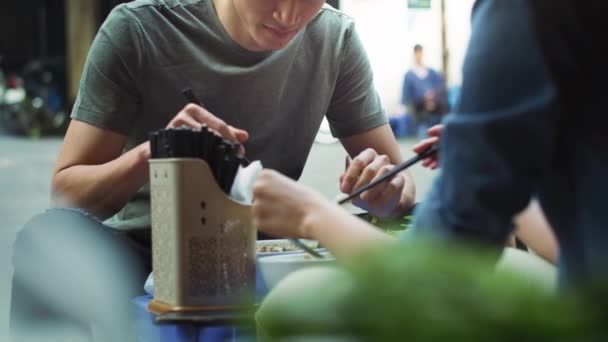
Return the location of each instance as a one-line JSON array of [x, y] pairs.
[[424, 94]]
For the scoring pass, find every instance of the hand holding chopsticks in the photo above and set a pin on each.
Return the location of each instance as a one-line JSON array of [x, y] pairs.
[[398, 168]]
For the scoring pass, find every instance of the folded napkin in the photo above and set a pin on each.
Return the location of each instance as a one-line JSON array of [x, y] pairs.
[[242, 188]]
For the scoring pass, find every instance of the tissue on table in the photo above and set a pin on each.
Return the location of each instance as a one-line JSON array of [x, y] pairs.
[[242, 188], [241, 191]]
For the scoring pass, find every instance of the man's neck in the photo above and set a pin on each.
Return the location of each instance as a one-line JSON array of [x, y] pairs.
[[232, 23], [420, 70]]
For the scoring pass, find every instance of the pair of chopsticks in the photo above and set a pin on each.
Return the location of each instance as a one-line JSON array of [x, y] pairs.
[[306, 248], [398, 168]]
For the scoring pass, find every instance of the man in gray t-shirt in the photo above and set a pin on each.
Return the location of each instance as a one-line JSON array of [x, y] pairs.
[[272, 68], [273, 72]]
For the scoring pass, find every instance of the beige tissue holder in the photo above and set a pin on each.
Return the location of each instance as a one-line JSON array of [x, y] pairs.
[[203, 242]]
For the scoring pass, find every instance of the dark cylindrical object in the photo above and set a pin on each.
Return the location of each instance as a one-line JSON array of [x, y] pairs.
[[232, 163], [153, 138], [203, 142], [218, 163]]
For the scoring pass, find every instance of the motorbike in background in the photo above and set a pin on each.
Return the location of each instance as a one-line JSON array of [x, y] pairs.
[[12, 98], [31, 102]]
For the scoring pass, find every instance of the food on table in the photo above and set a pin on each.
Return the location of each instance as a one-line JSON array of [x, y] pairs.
[[280, 246]]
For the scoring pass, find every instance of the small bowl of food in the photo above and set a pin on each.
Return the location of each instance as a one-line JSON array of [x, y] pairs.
[[276, 267], [265, 248]]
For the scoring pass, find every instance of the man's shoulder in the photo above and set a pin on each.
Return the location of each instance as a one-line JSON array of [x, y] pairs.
[[142, 4], [434, 72], [330, 10], [139, 8], [330, 18], [148, 14], [410, 75]]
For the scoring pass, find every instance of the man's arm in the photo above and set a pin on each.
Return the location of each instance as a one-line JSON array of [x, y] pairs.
[[500, 139], [91, 174]]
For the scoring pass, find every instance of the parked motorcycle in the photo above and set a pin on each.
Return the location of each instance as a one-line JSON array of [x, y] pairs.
[[12, 99], [32, 102]]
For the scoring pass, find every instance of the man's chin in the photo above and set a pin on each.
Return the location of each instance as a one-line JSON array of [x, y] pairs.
[[272, 43], [272, 46]]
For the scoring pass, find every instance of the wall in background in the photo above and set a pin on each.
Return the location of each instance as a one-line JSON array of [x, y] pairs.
[[389, 31]]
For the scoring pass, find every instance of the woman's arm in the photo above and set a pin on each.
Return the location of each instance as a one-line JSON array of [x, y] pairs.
[[284, 208], [533, 229]]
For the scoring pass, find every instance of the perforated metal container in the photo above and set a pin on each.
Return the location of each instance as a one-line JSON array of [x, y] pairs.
[[203, 242]]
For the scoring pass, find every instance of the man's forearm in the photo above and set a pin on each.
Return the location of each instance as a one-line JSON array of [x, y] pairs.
[[102, 189]]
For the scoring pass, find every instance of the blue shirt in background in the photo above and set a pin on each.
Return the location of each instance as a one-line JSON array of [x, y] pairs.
[[414, 89]]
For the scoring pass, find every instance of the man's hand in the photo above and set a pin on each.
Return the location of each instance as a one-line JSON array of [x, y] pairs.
[[434, 137], [386, 199], [194, 116], [281, 207]]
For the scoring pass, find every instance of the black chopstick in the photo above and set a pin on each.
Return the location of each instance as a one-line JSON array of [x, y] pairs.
[[189, 95], [427, 153], [307, 249]]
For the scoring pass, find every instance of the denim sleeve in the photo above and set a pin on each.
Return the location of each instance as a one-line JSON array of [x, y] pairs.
[[405, 92], [500, 139]]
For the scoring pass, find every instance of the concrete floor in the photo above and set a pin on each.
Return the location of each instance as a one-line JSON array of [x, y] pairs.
[[26, 166]]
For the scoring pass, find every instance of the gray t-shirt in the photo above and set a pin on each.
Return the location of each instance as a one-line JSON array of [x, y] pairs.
[[147, 51]]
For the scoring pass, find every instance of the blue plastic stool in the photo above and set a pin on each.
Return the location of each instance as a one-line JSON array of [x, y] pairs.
[[149, 331]]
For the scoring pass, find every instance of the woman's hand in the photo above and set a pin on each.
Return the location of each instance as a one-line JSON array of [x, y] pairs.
[[282, 207], [434, 137]]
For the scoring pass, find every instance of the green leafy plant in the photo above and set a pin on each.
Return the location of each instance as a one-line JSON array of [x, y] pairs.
[[441, 292]]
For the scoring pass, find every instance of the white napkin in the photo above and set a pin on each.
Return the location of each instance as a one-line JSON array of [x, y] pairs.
[[242, 192], [149, 285], [242, 188]]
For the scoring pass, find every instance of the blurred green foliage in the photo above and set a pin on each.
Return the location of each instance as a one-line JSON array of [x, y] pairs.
[[441, 292]]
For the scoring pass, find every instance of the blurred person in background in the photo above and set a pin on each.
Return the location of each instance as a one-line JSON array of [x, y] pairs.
[[424, 93], [272, 68]]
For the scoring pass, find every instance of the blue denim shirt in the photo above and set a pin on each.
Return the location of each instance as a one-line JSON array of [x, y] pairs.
[[505, 143]]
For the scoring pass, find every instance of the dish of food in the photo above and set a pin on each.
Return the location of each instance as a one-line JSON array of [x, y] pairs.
[[275, 268], [282, 246]]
